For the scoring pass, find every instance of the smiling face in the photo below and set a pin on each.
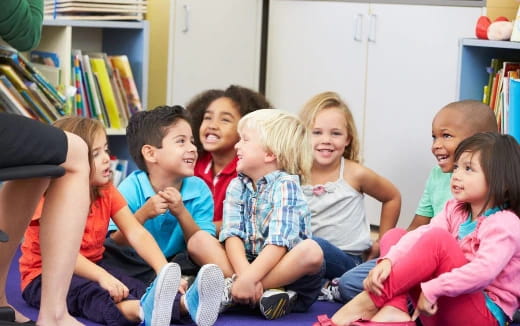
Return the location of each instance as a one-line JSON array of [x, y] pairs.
[[178, 154], [218, 131], [329, 136], [101, 160], [449, 128], [468, 182], [252, 156]]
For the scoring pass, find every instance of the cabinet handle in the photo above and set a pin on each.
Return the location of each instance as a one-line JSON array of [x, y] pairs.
[[186, 19], [358, 27], [372, 30]]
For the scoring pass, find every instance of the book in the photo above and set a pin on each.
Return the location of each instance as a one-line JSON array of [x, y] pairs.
[[10, 103], [122, 64], [98, 66], [492, 71], [514, 108], [93, 94], [95, 10], [18, 96], [51, 73], [45, 58]]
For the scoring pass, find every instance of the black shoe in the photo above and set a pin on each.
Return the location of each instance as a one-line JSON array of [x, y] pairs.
[[7, 318]]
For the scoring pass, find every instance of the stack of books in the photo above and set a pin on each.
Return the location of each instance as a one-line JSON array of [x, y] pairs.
[[502, 94], [24, 91], [105, 88], [95, 9]]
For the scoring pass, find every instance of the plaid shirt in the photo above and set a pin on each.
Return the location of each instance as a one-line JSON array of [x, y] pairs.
[[275, 213]]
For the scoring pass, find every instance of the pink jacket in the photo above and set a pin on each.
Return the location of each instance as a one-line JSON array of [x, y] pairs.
[[492, 251]]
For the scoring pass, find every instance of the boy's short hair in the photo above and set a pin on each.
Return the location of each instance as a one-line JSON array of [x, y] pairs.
[[150, 127], [285, 136], [479, 116]]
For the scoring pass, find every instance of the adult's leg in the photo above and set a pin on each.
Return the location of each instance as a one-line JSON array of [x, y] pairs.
[[18, 200], [61, 230]]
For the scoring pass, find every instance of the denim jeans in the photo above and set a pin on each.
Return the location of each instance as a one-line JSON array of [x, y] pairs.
[[351, 283], [337, 262]]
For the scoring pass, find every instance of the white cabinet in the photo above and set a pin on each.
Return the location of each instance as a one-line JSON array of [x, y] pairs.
[[213, 44], [395, 66]]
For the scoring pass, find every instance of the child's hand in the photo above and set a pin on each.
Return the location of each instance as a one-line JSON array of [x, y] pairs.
[[374, 281], [174, 199], [117, 290], [183, 286], [155, 205], [424, 307], [244, 291]]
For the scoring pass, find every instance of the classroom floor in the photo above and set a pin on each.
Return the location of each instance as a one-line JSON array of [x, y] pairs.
[[251, 318]]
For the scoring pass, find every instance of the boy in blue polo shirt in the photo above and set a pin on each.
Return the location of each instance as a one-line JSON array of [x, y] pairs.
[[164, 195]]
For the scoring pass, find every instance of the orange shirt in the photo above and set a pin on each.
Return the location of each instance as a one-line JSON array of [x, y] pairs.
[[106, 206]]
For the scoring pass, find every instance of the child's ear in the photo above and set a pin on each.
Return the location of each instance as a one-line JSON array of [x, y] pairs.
[[148, 152], [269, 157]]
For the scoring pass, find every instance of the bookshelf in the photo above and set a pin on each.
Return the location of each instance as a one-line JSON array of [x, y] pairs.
[[474, 56], [111, 37]]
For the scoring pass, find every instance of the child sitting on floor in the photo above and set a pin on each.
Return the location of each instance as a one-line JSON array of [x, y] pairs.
[[215, 116], [337, 186], [266, 229], [164, 195], [104, 294], [452, 124], [464, 267]]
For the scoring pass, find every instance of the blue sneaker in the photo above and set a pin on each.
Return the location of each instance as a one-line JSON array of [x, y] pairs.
[[203, 298], [157, 302]]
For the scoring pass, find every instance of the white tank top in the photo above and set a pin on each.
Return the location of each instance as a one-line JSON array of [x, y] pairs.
[[338, 214]]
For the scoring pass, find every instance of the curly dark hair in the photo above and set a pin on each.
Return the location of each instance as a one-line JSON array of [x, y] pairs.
[[150, 127], [245, 100]]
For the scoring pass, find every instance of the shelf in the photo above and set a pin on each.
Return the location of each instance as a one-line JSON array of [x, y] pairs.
[[474, 57], [96, 23]]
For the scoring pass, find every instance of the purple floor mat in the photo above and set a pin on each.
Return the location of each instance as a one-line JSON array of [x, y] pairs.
[[235, 318]]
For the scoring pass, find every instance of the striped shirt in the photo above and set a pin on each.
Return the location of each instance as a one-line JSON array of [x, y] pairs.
[[274, 212]]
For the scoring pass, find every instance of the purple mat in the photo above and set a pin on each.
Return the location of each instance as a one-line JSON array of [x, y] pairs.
[[235, 318]]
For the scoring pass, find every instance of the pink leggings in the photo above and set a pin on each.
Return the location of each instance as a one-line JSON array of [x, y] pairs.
[[436, 252]]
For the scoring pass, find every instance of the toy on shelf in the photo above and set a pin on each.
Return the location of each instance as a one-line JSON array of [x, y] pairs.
[[498, 30]]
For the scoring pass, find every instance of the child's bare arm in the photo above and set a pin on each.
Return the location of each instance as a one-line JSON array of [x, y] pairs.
[[384, 191], [139, 238], [176, 206], [236, 254], [91, 271], [418, 220]]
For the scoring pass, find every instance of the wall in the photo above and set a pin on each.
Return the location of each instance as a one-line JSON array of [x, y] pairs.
[[507, 8], [157, 16]]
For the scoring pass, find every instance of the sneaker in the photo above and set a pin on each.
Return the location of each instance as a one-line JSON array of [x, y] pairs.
[[227, 299], [202, 300], [331, 292], [276, 303], [157, 301]]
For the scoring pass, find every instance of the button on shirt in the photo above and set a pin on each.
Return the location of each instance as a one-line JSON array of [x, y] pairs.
[[274, 213]]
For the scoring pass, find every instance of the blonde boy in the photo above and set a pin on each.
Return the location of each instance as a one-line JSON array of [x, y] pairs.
[[266, 227]]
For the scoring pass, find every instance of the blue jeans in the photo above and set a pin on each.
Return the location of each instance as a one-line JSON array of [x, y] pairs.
[[337, 262], [351, 282]]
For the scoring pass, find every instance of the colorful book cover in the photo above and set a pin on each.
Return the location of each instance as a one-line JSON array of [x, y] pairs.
[[98, 66], [514, 108], [122, 64]]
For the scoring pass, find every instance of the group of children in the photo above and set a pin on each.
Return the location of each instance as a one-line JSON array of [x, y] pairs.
[[265, 209]]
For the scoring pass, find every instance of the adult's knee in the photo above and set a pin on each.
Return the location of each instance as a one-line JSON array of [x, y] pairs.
[[77, 154]]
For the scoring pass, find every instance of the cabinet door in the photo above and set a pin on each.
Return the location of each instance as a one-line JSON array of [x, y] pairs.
[[411, 74], [215, 44], [312, 48]]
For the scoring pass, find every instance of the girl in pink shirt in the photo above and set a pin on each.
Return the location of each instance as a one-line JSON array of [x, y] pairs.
[[464, 267]]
